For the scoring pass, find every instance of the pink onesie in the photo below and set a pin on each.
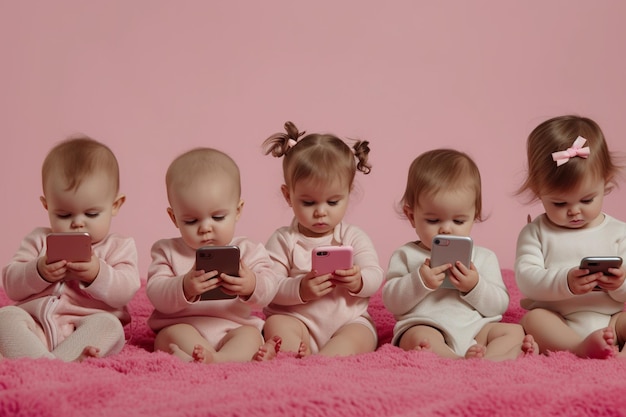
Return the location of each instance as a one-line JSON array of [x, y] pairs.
[[172, 259], [291, 253]]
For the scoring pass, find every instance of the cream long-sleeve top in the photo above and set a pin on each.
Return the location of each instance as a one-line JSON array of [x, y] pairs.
[[412, 303], [546, 253], [173, 258], [57, 306], [291, 252]]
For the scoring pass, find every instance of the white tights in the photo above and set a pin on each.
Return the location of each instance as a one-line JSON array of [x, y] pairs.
[[21, 336]]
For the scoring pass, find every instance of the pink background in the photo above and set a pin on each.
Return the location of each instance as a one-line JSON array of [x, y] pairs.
[[154, 78]]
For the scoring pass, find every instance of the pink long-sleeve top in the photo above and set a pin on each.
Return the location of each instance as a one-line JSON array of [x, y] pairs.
[[57, 306], [172, 259], [291, 253]]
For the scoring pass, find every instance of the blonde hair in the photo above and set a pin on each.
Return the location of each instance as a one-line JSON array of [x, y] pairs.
[[320, 157], [558, 134], [78, 158], [442, 170], [199, 162]]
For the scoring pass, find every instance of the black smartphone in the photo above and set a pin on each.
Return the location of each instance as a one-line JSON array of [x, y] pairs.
[[224, 259], [70, 246]]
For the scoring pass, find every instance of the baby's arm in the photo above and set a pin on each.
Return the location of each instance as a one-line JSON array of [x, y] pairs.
[[118, 279], [489, 296], [20, 278], [404, 288], [533, 278]]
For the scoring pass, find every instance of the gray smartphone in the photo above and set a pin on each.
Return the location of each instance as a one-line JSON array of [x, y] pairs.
[[600, 263], [224, 259], [450, 249], [70, 246]]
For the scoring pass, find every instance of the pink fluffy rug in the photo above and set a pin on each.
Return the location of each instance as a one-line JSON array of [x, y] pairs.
[[388, 382]]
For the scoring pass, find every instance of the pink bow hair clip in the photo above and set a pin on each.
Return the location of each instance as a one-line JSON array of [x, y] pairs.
[[577, 149]]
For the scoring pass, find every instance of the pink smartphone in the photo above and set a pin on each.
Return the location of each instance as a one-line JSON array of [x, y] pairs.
[[71, 246], [218, 258], [327, 259]]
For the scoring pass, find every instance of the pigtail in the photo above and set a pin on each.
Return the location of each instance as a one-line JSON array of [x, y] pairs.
[[361, 152], [279, 143]]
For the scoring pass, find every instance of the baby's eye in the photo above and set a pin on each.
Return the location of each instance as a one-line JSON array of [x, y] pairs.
[[307, 203], [219, 218], [459, 222], [189, 222], [559, 204], [432, 221], [587, 201], [333, 203], [92, 215], [64, 216]]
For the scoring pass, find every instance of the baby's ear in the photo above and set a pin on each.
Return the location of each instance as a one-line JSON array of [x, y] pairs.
[[408, 212], [239, 209], [44, 202], [285, 190], [117, 203], [170, 212]]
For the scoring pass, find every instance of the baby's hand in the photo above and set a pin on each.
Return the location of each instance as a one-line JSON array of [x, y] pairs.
[[243, 285], [313, 287], [433, 277], [198, 282], [349, 278], [53, 272], [613, 281], [84, 271], [462, 278], [580, 281]]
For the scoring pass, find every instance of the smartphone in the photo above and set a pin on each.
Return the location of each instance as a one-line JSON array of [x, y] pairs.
[[600, 263], [327, 259], [448, 249], [70, 246], [224, 259]]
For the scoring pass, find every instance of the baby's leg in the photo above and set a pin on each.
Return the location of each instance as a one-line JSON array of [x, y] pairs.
[[504, 341], [291, 331], [600, 344], [239, 345], [553, 334], [182, 340], [268, 350], [618, 323], [422, 337], [98, 334], [20, 335], [351, 339]]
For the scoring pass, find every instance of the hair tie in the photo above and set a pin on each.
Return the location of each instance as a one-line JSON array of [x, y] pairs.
[[290, 144], [577, 149]]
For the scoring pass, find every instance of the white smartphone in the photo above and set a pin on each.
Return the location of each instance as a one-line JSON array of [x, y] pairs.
[[448, 249], [224, 259], [71, 246], [327, 259]]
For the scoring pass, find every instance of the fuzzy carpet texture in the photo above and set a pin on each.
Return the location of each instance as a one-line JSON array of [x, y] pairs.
[[388, 382]]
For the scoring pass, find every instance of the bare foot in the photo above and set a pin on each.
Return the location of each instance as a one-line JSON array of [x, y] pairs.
[[201, 355], [89, 352], [303, 351], [423, 345], [529, 346], [476, 351], [598, 345], [268, 350]]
